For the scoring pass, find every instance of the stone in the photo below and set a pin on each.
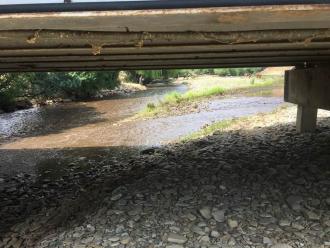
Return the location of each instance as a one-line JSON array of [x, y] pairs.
[[294, 202], [148, 151], [198, 230], [315, 202], [90, 228], [311, 215], [327, 201], [168, 196], [297, 226], [114, 239], [191, 217], [175, 229], [231, 241], [125, 240], [205, 212], [176, 238], [267, 241], [284, 223], [232, 223], [281, 246], [215, 234], [77, 235], [87, 240], [116, 197], [218, 215], [204, 239]]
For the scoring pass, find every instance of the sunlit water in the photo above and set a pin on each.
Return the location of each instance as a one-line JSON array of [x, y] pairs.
[[35, 140]]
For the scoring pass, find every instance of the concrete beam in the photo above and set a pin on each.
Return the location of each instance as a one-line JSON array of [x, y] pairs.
[[310, 89]]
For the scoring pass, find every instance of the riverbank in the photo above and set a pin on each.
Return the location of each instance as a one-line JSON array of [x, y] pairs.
[[258, 183], [123, 89], [203, 88]]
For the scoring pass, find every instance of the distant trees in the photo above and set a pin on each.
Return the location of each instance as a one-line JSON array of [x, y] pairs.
[[79, 85], [150, 75], [48, 85]]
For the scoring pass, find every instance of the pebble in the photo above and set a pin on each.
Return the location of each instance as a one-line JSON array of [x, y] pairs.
[[294, 202], [232, 189], [218, 215], [281, 246], [232, 223], [116, 197], [205, 212], [90, 228], [284, 222], [311, 215], [176, 238], [215, 234], [327, 201], [267, 241]]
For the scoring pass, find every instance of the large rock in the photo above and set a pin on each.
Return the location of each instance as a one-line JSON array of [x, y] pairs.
[[176, 238], [218, 215], [294, 201], [206, 212], [281, 246]]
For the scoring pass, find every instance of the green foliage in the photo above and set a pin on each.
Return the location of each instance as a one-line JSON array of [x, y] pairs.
[[87, 84], [175, 98], [191, 95], [48, 85], [12, 86], [77, 85], [201, 93], [150, 75], [172, 97], [151, 106], [210, 129]]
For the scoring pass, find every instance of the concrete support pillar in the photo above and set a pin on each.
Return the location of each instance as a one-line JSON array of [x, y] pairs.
[[310, 89], [306, 119]]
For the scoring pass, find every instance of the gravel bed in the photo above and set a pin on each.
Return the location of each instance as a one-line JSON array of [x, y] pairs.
[[261, 186]]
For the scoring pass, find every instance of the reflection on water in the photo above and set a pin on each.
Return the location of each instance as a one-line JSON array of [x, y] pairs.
[[41, 139]]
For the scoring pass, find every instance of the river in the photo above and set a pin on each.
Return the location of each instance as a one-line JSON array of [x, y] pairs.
[[47, 140]]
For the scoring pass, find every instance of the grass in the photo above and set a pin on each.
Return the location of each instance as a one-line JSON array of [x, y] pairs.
[[215, 86], [211, 129], [174, 98], [192, 95], [240, 122]]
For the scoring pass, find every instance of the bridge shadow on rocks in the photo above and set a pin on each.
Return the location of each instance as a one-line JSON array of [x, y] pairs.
[[265, 187]]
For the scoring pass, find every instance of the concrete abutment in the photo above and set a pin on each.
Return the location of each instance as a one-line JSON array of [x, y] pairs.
[[309, 88]]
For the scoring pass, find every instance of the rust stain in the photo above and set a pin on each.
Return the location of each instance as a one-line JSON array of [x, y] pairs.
[[144, 36], [96, 49], [34, 37]]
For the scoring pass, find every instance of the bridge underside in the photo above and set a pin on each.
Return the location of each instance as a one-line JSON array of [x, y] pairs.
[[172, 38]]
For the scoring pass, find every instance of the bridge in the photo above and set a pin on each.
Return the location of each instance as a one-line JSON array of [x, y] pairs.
[[108, 35]]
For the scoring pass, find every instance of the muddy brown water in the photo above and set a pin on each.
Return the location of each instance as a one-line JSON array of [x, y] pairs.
[[48, 139]]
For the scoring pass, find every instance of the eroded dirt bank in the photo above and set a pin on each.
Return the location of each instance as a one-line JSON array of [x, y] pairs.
[[256, 185]]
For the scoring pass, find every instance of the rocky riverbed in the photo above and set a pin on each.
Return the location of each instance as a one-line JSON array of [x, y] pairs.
[[257, 185]]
